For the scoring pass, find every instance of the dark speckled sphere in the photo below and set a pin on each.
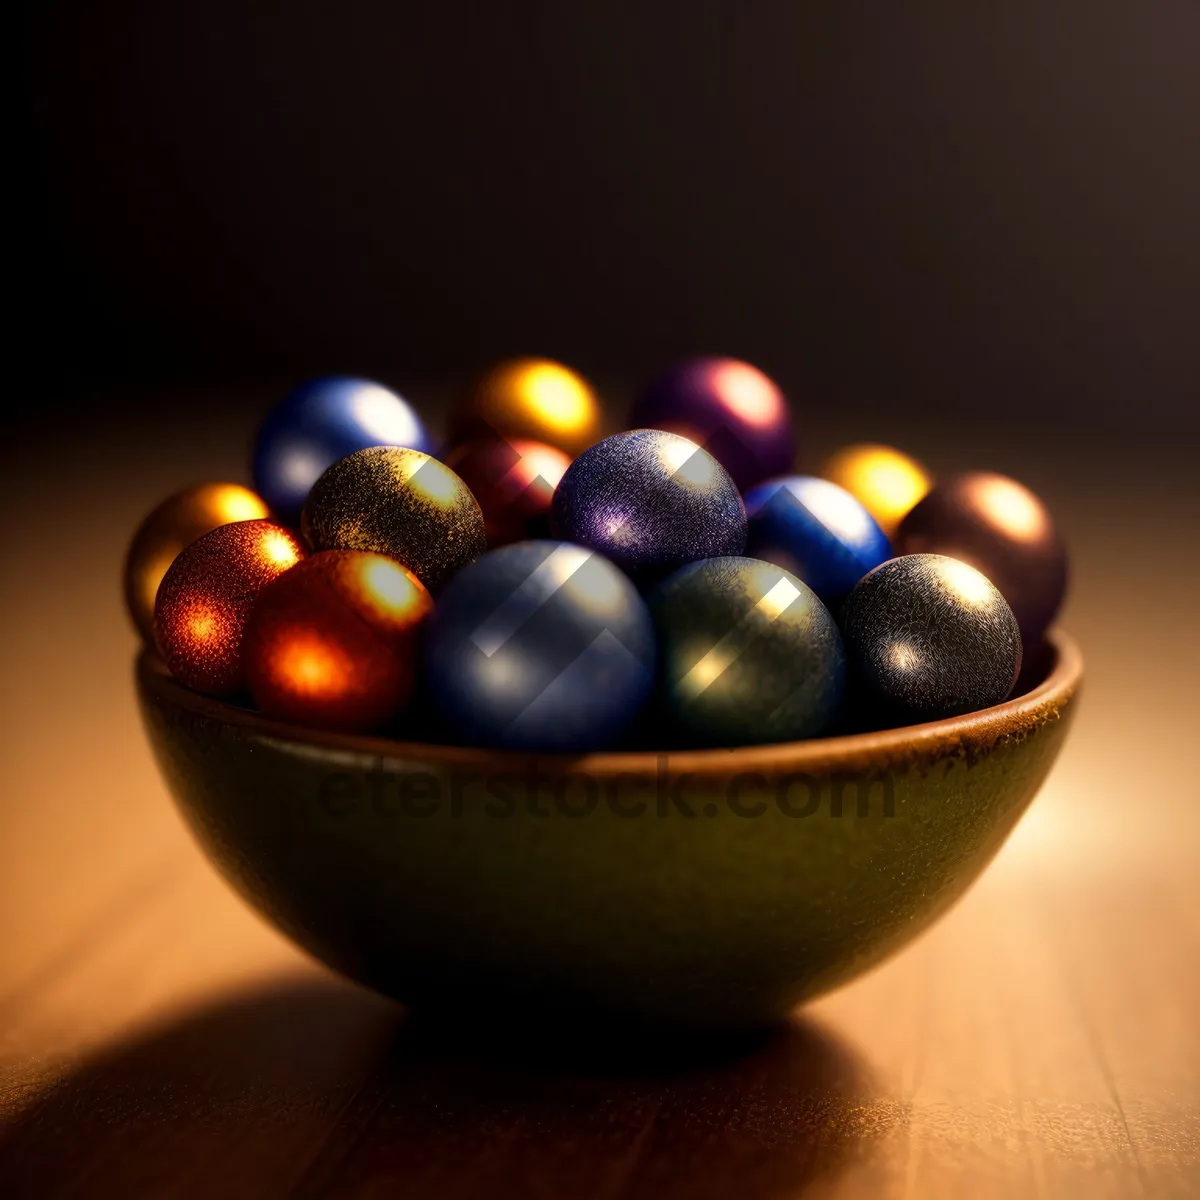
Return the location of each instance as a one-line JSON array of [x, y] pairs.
[[747, 653], [651, 501], [730, 408], [929, 637], [1002, 529], [401, 503]]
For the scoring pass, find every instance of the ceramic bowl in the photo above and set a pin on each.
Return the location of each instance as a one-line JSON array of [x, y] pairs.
[[710, 889]]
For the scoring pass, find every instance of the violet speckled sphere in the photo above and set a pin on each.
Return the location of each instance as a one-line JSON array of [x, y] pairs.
[[730, 408], [540, 645], [651, 501], [747, 653], [816, 530], [1000, 527], [929, 637], [320, 422]]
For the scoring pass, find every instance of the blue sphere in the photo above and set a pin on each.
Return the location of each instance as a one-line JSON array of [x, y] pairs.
[[320, 423], [651, 501], [816, 530], [540, 645]]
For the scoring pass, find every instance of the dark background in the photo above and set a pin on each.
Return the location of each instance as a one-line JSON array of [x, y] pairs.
[[985, 212]]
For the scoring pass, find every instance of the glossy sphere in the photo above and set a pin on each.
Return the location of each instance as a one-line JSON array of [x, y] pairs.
[[730, 408], [1000, 527], [747, 653], [320, 422], [885, 481], [514, 483], [401, 503], [929, 637], [333, 641], [206, 598], [175, 523], [540, 646], [532, 398], [816, 530], [651, 501]]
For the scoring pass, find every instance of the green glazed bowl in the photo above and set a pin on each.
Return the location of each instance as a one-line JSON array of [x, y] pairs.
[[710, 889]]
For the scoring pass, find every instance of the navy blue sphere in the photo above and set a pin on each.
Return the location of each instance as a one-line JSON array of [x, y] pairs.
[[747, 653], [543, 646], [651, 501], [321, 422], [816, 530]]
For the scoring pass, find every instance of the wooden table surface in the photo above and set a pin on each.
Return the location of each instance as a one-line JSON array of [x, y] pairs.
[[159, 1040]]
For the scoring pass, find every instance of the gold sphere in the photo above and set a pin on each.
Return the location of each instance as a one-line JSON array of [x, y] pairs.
[[885, 481], [534, 398], [175, 523]]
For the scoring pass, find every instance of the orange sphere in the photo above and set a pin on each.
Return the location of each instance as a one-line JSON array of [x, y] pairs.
[[206, 596], [333, 642], [514, 482], [885, 481], [177, 522], [534, 398]]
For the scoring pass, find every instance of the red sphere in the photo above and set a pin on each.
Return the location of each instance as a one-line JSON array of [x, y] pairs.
[[513, 481], [206, 596], [333, 642]]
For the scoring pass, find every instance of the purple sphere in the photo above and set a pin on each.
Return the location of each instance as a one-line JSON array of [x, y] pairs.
[[731, 409], [651, 501]]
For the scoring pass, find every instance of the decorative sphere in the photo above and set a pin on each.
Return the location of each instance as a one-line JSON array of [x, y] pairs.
[[175, 523], [1000, 527], [540, 646], [514, 483], [532, 398], [747, 653], [206, 597], [816, 530], [320, 422], [401, 503], [929, 637], [651, 501], [730, 408], [333, 641], [885, 481]]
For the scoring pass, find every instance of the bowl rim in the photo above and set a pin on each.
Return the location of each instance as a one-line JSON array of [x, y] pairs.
[[980, 729]]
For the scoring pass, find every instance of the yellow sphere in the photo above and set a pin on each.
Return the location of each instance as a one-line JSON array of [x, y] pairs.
[[533, 398], [886, 482], [175, 523]]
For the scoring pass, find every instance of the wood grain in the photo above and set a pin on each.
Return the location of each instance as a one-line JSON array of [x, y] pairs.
[[158, 1040]]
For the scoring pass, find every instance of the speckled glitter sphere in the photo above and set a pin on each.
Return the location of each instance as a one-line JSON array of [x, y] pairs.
[[929, 637], [174, 524], [532, 398], [514, 483], [816, 530], [1000, 527], [320, 422], [401, 503], [730, 408], [884, 480], [651, 501], [206, 597], [333, 642], [747, 653], [540, 646]]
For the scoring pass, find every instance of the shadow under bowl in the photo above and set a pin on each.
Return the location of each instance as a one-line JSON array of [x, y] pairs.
[[692, 890]]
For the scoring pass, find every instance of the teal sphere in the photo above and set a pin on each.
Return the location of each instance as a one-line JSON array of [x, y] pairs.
[[747, 654]]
